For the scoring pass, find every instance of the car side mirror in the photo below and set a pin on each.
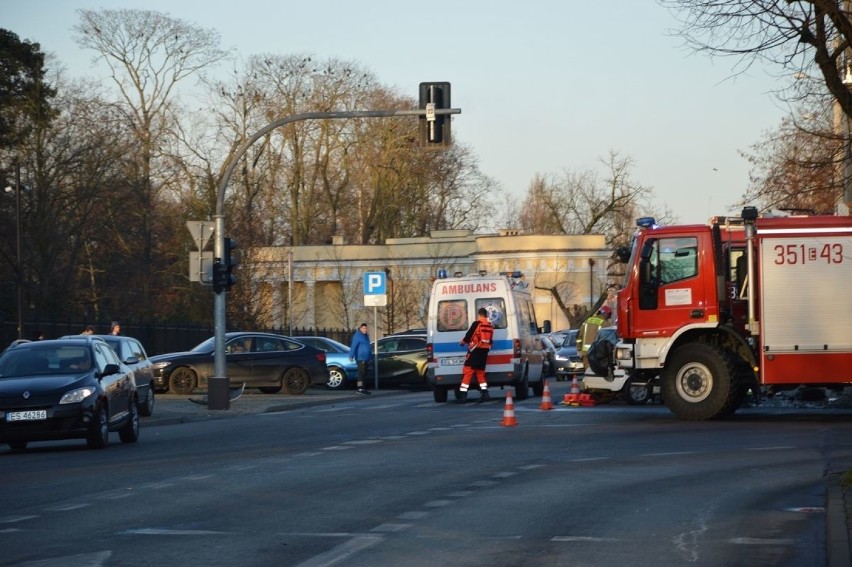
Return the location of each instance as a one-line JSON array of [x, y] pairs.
[[110, 369]]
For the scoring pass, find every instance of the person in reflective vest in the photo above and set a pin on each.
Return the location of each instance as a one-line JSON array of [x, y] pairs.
[[589, 331], [478, 341]]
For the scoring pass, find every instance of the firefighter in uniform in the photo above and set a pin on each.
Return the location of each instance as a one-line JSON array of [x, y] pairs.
[[589, 331], [478, 342]]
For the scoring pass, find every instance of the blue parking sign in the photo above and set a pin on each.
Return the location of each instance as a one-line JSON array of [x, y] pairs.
[[375, 283]]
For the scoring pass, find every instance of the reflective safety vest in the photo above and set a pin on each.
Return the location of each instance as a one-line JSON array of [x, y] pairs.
[[588, 332]]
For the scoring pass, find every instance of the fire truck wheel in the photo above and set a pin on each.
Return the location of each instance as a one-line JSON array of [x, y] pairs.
[[697, 382]]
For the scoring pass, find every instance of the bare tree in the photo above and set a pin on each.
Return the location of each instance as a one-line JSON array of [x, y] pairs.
[[148, 54], [806, 41], [798, 165], [585, 203]]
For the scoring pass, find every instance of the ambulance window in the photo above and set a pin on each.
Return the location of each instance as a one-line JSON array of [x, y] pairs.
[[496, 311], [452, 315]]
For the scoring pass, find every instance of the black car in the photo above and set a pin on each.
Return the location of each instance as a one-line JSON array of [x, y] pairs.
[[131, 352], [265, 361], [72, 388]]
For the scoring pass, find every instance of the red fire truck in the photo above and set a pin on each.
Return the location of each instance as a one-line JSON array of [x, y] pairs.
[[750, 303]]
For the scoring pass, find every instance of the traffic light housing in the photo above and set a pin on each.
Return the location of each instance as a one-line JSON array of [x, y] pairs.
[[435, 133], [224, 267]]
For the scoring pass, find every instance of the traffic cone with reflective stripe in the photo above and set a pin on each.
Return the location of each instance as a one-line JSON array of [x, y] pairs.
[[573, 398], [546, 403], [509, 411]]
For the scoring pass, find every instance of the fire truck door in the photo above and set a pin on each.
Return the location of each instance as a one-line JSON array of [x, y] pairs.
[[678, 284]]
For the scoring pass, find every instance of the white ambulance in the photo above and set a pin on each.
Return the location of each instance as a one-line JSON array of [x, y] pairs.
[[516, 355]]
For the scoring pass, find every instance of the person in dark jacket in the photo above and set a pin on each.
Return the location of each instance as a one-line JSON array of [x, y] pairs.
[[478, 341], [360, 352]]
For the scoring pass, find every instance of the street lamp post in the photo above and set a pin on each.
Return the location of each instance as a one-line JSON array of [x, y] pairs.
[[19, 282], [592, 283]]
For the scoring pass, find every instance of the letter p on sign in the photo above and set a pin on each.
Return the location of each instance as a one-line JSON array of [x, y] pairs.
[[374, 283]]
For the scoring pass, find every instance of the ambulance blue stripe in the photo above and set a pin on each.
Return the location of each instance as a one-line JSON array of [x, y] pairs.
[[445, 348]]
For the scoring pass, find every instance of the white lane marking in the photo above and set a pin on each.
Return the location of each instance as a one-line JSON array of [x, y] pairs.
[[117, 496], [777, 448], [589, 459], [483, 483], [390, 528], [341, 552], [437, 503], [67, 507], [583, 538], [418, 433], [11, 531], [364, 442], [196, 477], [503, 474], [159, 531], [83, 560], [761, 541], [668, 454], [414, 515], [337, 448], [14, 519]]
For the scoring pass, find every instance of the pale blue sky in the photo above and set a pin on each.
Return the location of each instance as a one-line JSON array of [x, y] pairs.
[[544, 86]]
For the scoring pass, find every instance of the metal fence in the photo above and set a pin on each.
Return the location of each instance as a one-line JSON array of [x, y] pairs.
[[156, 338]]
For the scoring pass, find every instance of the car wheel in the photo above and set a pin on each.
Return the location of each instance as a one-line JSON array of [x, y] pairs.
[[130, 432], [99, 434], [147, 407], [637, 394], [296, 381], [270, 389], [440, 394], [336, 378], [182, 381], [538, 387], [17, 445]]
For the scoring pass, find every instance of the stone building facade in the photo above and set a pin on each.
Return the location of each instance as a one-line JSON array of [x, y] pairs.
[[322, 286]]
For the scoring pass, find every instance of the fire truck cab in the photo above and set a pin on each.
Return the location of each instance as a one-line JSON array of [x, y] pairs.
[[736, 305]]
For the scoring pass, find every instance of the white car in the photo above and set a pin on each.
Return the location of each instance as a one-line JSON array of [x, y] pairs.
[[615, 380]]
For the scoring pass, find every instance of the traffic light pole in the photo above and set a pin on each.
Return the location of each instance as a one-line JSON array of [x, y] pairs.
[[218, 386]]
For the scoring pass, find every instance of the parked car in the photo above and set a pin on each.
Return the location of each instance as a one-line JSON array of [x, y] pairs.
[[402, 359], [131, 352], [342, 372], [74, 388], [265, 361], [569, 363], [604, 378], [549, 348], [401, 356]]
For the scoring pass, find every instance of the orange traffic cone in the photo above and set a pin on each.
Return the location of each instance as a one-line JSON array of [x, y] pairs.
[[573, 398], [546, 403], [509, 411]]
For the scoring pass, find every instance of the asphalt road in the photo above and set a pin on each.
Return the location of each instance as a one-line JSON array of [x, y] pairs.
[[390, 479]]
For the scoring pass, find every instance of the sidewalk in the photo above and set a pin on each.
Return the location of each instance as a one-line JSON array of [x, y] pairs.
[[170, 408]]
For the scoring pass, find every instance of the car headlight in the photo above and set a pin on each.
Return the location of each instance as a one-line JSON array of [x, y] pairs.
[[560, 357], [76, 396], [623, 353], [161, 365]]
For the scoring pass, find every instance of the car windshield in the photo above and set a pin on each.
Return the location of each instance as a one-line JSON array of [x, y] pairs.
[[206, 346], [570, 339], [45, 360]]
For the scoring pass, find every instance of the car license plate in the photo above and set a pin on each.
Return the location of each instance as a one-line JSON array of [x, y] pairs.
[[452, 361], [30, 415]]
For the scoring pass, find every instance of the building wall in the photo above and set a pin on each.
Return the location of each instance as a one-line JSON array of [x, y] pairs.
[[327, 285]]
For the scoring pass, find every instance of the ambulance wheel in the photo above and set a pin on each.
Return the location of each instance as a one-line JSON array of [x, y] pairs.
[[522, 388], [440, 394], [698, 382], [538, 388]]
